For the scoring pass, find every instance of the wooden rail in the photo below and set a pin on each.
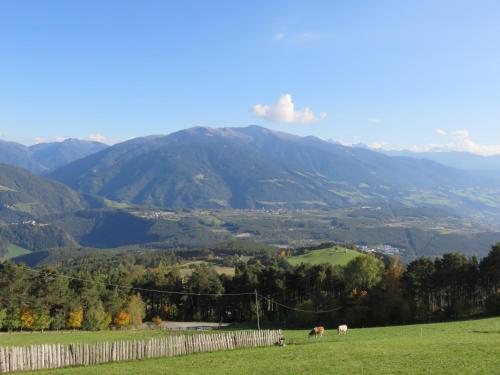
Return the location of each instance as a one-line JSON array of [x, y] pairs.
[[49, 356]]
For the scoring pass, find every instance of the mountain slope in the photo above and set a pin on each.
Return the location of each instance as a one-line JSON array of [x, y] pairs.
[[455, 159], [254, 167], [44, 157], [24, 193], [18, 155], [55, 154]]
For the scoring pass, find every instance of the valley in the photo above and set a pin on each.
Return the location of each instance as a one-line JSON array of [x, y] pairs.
[[248, 184]]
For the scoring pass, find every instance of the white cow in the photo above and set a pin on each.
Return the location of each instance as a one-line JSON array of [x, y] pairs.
[[342, 329]]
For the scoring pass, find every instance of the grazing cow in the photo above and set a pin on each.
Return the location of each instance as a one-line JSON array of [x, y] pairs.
[[342, 329], [281, 341], [317, 331]]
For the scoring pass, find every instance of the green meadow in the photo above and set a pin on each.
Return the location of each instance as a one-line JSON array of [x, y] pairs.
[[334, 255], [15, 251], [466, 347]]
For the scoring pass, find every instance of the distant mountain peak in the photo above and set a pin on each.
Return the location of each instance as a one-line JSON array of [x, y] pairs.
[[251, 167], [43, 157]]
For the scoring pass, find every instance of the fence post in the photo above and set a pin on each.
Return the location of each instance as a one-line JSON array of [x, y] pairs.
[[257, 309], [48, 356]]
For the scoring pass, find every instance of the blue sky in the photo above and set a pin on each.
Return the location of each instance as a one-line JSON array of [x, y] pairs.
[[399, 74]]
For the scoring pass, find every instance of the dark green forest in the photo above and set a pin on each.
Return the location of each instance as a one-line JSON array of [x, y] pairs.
[[130, 290]]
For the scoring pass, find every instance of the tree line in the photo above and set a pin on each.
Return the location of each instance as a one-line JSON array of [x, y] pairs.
[[367, 291]]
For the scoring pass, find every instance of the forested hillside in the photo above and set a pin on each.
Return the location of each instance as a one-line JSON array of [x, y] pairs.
[[93, 294], [25, 192], [253, 167]]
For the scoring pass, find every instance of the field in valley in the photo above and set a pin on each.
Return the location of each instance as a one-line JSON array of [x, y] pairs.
[[333, 255], [15, 251], [467, 347]]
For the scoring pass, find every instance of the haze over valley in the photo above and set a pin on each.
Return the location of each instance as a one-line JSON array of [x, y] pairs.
[[207, 186]]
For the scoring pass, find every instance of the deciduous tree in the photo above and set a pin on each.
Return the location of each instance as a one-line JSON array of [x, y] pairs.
[[75, 318]]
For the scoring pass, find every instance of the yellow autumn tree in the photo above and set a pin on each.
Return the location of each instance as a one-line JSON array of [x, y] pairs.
[[26, 318], [136, 308], [392, 275], [75, 318]]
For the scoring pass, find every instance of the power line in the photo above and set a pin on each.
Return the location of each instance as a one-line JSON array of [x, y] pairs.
[[143, 289], [57, 274], [103, 263], [302, 310]]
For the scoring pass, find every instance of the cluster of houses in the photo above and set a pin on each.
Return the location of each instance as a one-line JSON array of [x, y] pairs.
[[31, 222], [381, 249]]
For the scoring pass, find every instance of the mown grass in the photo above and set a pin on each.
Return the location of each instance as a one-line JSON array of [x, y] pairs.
[[113, 204], [469, 347], [334, 255], [186, 269], [15, 251], [7, 189], [24, 207], [68, 337]]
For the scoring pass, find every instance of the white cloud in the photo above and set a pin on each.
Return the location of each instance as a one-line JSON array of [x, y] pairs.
[[97, 138], [298, 38], [91, 137], [40, 140], [459, 140], [279, 36], [283, 111], [460, 134], [377, 145], [375, 120], [308, 36]]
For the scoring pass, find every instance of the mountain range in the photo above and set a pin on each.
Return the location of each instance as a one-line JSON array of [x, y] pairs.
[[455, 159], [254, 167], [44, 157], [117, 195]]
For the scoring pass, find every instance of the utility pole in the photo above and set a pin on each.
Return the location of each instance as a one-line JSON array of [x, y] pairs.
[[257, 309]]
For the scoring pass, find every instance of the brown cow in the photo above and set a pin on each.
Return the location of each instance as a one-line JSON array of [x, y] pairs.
[[317, 331]]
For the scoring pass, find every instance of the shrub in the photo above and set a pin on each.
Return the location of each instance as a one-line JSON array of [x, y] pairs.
[[157, 320]]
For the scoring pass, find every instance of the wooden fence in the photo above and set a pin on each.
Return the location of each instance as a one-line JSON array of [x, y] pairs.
[[48, 356]]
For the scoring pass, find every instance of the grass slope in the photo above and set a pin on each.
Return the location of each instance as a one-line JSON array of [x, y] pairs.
[[15, 251], [68, 337], [334, 255], [186, 269], [469, 347]]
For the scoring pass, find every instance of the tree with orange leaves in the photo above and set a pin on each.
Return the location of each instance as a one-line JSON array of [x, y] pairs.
[[122, 319]]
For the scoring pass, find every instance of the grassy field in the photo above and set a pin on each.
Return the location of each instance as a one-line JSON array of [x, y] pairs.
[[186, 269], [68, 337], [24, 207], [334, 255], [113, 204], [468, 347], [15, 251]]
